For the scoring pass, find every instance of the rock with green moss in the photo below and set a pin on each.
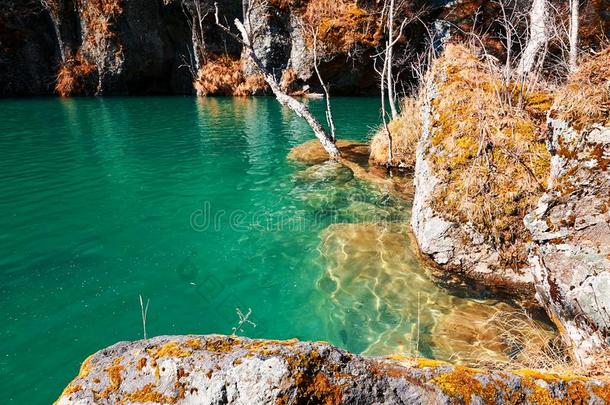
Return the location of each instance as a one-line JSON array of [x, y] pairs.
[[462, 217], [216, 369]]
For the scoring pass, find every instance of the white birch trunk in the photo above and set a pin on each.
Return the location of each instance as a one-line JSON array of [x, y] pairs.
[[573, 34], [389, 57], [299, 108], [538, 37]]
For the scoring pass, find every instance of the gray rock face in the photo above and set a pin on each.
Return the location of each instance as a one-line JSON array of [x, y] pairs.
[[270, 30], [229, 370], [28, 49], [571, 232], [458, 249]]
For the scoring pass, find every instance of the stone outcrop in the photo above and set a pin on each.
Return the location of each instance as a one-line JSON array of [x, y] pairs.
[[571, 232], [463, 255], [221, 370]]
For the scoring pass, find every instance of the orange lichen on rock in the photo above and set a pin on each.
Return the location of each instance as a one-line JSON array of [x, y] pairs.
[[141, 363], [461, 382], [85, 368], [194, 343], [149, 394], [71, 389], [220, 345], [602, 392], [114, 376]]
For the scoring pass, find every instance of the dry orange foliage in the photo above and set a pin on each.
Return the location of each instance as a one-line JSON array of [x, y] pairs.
[[342, 24], [405, 130], [253, 85], [219, 76], [223, 76], [585, 98], [77, 73], [73, 76], [99, 17]]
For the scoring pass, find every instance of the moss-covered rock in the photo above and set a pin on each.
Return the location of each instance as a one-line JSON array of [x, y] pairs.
[[481, 165], [217, 369]]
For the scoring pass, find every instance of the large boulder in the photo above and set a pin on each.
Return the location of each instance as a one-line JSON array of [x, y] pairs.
[[230, 370], [470, 193]]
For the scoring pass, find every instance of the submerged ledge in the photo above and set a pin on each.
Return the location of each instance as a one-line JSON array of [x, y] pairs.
[[217, 369]]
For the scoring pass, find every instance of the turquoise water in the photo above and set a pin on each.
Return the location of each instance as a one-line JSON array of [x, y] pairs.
[[192, 204]]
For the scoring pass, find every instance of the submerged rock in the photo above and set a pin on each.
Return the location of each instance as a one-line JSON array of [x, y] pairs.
[[217, 369], [493, 334], [377, 287], [312, 152]]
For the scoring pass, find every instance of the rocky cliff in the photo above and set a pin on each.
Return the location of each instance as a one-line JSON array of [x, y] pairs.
[[125, 47], [571, 250], [110, 47], [220, 370]]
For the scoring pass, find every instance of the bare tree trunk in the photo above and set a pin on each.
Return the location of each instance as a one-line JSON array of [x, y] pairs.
[[196, 12], [386, 62], [299, 108], [537, 39], [329, 113], [573, 34], [389, 56]]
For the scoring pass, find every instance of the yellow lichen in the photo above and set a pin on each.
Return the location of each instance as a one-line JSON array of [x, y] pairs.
[[548, 377], [421, 362], [71, 389], [462, 383], [398, 357], [220, 345], [193, 343], [171, 349], [148, 394], [85, 368]]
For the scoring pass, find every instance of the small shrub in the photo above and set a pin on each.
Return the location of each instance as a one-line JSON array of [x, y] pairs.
[[585, 98], [253, 85], [343, 25], [405, 131], [220, 76], [75, 77]]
